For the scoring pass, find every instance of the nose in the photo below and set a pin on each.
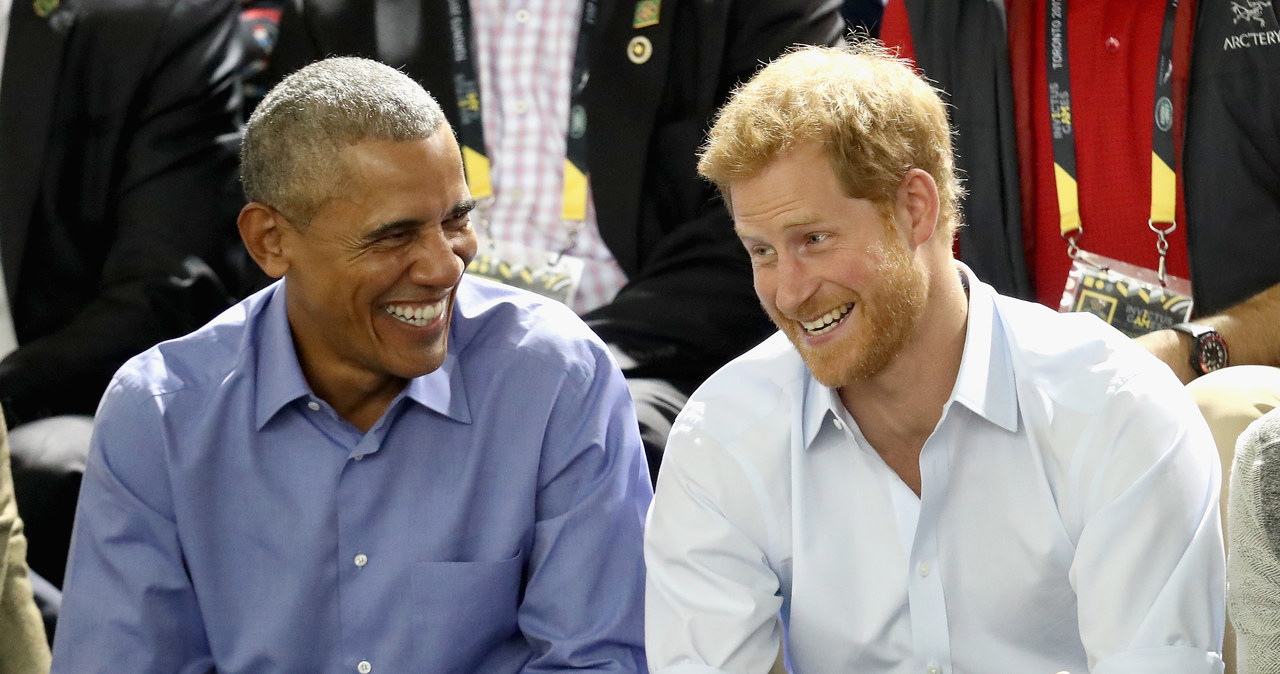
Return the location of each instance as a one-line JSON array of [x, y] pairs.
[[439, 257], [793, 284]]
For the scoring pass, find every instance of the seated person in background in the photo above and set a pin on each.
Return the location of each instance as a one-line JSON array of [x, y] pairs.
[[1253, 520], [23, 647], [118, 132], [920, 474], [377, 463], [1217, 126], [622, 91]]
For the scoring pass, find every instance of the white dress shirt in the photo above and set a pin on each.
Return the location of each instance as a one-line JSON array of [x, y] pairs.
[[1068, 517]]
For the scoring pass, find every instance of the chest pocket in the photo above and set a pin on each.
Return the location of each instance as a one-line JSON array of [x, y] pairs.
[[466, 611]]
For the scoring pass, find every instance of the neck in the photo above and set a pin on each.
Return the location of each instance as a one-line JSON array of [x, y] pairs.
[[360, 405], [356, 395]]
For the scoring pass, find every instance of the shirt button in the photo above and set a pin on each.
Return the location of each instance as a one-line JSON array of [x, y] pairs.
[[361, 559], [315, 406], [1112, 45], [923, 570], [934, 669], [838, 424], [522, 16], [520, 107], [357, 457], [364, 667], [516, 195]]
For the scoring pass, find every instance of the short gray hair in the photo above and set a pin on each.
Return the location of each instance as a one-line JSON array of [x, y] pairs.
[[289, 155]]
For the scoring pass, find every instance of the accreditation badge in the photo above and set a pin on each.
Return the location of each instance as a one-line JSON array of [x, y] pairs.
[[554, 275], [1126, 296]]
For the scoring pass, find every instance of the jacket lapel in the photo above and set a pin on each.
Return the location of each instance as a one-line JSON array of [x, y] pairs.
[[28, 89], [629, 68]]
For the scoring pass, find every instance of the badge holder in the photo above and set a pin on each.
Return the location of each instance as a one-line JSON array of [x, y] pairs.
[[553, 275], [1130, 298]]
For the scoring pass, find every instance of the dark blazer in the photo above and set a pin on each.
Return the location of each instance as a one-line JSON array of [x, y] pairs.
[[689, 306], [118, 135]]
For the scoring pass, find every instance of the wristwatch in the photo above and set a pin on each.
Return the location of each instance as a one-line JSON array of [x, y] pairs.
[[1209, 352]]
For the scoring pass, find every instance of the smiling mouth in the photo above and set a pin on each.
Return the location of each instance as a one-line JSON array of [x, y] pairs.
[[827, 322], [416, 315]]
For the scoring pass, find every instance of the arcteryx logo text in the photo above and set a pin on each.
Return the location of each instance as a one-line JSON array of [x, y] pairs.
[[1248, 13]]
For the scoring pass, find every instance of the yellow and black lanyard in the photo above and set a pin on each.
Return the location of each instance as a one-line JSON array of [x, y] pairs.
[[1163, 178]]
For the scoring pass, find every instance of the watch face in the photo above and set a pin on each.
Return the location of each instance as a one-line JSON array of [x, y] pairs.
[[1212, 352]]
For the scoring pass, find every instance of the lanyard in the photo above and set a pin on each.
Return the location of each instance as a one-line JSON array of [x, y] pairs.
[[1163, 178], [471, 123]]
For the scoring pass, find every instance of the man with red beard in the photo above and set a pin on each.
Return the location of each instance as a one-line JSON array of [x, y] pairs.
[[917, 474]]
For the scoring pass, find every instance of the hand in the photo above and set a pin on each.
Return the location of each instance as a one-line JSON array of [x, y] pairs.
[[1174, 348]]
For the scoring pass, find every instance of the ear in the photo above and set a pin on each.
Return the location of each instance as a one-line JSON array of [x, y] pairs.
[[917, 206], [261, 229]]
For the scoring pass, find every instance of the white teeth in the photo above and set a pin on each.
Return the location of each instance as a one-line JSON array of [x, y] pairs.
[[416, 315], [827, 321]]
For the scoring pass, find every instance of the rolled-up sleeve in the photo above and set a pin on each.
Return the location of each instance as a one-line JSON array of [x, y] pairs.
[[1149, 569], [583, 602], [711, 597], [128, 603]]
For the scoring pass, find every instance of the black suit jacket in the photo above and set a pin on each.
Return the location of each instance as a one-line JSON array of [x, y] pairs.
[[118, 135], [689, 305]]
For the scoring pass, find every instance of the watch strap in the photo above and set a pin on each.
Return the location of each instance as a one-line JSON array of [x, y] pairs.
[[1205, 338]]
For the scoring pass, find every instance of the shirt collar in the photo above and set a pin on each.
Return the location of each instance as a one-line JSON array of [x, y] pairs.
[[279, 379], [985, 383]]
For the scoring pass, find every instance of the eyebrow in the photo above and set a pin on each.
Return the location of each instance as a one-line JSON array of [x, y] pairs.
[[460, 209], [787, 227]]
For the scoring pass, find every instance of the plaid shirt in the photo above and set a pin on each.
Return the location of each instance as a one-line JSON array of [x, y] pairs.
[[524, 51]]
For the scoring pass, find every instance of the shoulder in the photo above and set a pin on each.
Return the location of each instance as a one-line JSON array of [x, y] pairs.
[[1256, 455], [1097, 404], [1077, 357], [148, 13], [760, 382], [745, 412], [133, 43], [207, 357], [496, 321]]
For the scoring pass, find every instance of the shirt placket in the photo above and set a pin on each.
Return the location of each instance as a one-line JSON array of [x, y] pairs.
[[359, 579], [926, 596]]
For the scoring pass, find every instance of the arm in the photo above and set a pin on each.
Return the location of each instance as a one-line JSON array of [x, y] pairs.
[[1249, 329], [135, 212], [711, 599], [1149, 568], [582, 606], [23, 645], [1253, 518], [128, 604], [689, 306]]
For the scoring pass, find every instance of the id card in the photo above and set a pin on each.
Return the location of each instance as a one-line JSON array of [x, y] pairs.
[[1126, 296], [528, 268]]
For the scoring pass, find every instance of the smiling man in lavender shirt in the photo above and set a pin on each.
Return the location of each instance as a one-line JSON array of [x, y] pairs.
[[375, 464]]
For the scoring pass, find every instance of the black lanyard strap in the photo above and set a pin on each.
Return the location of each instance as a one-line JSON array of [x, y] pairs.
[[1163, 178]]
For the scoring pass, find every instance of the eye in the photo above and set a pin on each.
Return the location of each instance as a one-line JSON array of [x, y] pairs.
[[459, 222], [396, 238], [816, 238]]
